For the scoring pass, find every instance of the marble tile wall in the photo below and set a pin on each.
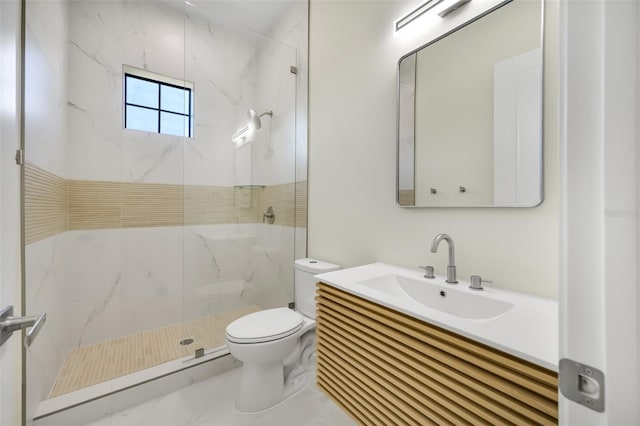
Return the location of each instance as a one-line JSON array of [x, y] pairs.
[[274, 146], [74, 277], [292, 29], [153, 36], [46, 84], [232, 266], [97, 285]]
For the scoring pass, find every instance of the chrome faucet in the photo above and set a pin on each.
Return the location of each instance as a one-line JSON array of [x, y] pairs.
[[451, 266]]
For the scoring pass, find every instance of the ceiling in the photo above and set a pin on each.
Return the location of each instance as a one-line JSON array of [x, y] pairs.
[[256, 15]]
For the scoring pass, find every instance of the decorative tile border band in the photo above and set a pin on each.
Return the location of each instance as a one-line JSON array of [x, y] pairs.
[[45, 198], [54, 205]]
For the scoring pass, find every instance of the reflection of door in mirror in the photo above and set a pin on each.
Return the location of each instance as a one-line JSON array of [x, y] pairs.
[[469, 114], [517, 130]]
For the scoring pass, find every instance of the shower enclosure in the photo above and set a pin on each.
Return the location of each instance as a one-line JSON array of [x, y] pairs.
[[149, 226]]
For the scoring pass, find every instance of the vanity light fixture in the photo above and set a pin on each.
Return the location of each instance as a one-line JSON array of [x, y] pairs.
[[451, 6], [416, 13]]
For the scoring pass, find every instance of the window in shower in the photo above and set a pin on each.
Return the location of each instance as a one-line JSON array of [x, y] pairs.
[[157, 103]]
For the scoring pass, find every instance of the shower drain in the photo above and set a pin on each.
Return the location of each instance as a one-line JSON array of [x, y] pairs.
[[186, 342]]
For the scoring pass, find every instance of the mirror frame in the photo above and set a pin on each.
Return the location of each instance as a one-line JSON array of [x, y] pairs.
[[542, 101]]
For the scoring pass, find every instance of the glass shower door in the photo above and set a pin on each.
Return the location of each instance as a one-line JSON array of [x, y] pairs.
[[240, 164], [103, 200], [142, 245]]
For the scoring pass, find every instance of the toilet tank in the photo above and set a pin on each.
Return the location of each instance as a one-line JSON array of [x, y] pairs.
[[305, 284]]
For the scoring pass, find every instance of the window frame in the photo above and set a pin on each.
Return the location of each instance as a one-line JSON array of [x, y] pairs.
[[160, 80]]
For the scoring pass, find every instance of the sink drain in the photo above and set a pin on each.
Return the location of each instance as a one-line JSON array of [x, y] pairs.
[[186, 342]]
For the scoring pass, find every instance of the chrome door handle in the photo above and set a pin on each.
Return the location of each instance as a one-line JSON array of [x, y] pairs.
[[9, 324]]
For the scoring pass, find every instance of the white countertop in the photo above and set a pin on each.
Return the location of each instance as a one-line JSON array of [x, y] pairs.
[[528, 330]]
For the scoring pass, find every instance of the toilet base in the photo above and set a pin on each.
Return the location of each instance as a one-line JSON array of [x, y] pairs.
[[273, 371], [265, 385], [262, 387]]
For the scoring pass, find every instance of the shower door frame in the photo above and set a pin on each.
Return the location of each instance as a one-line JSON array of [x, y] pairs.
[[12, 353]]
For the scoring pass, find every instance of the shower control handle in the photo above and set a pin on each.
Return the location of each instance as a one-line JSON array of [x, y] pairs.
[[269, 216]]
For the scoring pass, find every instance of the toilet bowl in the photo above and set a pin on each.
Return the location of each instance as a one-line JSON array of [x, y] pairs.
[[276, 345]]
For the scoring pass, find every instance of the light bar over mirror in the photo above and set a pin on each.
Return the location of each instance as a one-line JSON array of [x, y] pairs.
[[416, 13]]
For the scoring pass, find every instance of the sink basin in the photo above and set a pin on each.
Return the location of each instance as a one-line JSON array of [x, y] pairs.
[[495, 316], [458, 302]]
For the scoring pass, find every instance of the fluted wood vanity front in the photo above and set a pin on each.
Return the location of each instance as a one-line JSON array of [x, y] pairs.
[[384, 367]]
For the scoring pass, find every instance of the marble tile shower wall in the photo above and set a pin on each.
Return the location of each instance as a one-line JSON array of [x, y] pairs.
[[99, 284], [46, 93], [157, 37], [292, 29]]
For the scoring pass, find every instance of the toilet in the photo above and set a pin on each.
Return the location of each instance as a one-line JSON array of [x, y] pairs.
[[275, 345]]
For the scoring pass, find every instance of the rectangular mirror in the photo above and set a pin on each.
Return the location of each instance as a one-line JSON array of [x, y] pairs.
[[470, 114]]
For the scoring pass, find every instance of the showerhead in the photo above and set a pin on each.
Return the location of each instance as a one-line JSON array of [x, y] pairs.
[[254, 118]]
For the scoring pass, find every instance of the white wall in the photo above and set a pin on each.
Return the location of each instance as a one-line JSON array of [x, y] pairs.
[[353, 218]]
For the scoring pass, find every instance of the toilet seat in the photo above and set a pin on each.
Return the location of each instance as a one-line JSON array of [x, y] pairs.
[[264, 326]]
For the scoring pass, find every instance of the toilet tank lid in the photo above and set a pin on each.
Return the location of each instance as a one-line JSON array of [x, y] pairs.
[[315, 266]]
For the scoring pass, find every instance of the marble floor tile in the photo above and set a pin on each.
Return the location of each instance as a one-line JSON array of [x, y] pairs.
[[211, 403]]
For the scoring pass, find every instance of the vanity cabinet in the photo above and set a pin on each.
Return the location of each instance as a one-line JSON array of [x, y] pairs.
[[383, 367]]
